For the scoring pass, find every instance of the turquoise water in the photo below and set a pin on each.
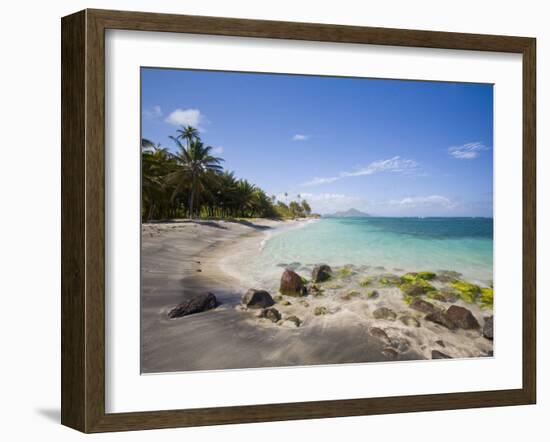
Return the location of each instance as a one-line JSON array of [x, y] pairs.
[[409, 244]]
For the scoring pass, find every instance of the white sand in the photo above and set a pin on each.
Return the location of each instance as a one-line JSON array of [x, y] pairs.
[[182, 259]]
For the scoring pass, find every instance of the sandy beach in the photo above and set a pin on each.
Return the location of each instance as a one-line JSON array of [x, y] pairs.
[[182, 259]]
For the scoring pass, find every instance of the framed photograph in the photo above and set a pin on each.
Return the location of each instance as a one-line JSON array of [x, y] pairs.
[[267, 221]]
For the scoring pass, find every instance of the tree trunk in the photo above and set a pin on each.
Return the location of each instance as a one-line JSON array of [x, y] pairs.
[[191, 197]]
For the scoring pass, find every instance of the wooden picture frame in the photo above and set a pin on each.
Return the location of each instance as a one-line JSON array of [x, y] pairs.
[[83, 220]]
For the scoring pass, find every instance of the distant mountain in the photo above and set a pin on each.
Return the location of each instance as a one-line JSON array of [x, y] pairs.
[[346, 213]]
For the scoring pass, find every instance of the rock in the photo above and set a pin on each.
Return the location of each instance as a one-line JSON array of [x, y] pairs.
[[321, 273], [440, 317], [448, 275], [390, 353], [366, 281], [270, 313], [447, 294], [462, 317], [319, 311], [468, 292], [350, 295], [389, 280], [400, 344], [440, 343], [286, 302], [304, 303], [417, 287], [345, 272], [196, 304], [486, 298], [415, 276], [384, 313], [488, 328], [422, 306], [292, 284], [257, 299], [380, 334], [409, 321], [293, 266], [436, 354], [292, 321], [373, 294]]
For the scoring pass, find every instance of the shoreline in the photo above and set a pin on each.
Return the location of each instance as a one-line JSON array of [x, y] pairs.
[[194, 255]]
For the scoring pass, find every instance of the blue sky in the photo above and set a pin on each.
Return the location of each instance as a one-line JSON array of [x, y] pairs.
[[388, 147]]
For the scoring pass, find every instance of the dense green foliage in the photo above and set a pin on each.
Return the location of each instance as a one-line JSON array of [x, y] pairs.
[[192, 183]]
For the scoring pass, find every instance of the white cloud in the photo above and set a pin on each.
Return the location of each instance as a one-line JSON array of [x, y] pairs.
[[394, 164], [217, 150], [467, 151], [186, 117], [316, 181], [154, 112], [300, 137], [424, 201]]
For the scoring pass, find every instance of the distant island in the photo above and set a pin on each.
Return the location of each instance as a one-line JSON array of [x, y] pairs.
[[346, 213]]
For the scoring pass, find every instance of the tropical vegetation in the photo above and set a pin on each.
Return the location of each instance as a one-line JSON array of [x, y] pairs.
[[192, 183]]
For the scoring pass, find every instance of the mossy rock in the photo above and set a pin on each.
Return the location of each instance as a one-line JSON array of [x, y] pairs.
[[351, 295], [412, 277], [417, 288], [468, 292], [373, 294], [319, 311], [486, 297], [389, 280], [448, 275], [278, 298], [344, 272], [285, 302], [367, 281]]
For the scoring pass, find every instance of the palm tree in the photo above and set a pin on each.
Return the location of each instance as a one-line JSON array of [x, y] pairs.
[[196, 167], [188, 133]]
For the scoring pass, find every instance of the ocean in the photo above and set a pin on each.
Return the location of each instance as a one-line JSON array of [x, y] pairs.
[[464, 245]]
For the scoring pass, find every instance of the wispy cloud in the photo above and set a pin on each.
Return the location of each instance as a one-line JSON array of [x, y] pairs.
[[467, 151], [395, 164], [424, 201], [153, 112], [217, 150], [300, 137], [187, 117]]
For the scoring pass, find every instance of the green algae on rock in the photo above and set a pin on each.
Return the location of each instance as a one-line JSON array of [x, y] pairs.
[[468, 292]]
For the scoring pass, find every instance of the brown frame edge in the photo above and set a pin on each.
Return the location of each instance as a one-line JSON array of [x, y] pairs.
[[83, 216]]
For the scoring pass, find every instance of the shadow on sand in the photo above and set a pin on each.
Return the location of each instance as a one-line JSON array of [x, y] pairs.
[[214, 223]]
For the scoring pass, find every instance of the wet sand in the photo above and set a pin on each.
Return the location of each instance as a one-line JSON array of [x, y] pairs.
[[186, 258]]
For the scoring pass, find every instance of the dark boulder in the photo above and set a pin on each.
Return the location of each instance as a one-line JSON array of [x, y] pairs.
[[488, 328], [292, 321], [270, 313], [436, 354], [196, 304], [257, 299], [390, 353], [321, 272], [292, 284], [462, 317], [440, 317], [380, 334], [422, 306]]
